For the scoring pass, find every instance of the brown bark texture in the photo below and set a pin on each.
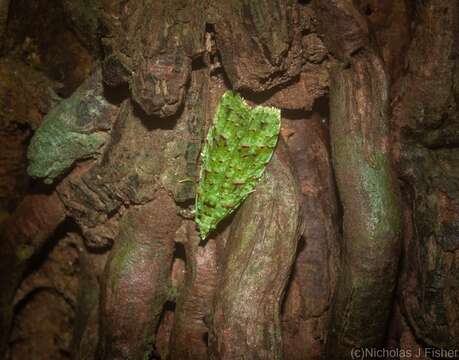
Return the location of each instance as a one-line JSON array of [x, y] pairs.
[[350, 240], [259, 253]]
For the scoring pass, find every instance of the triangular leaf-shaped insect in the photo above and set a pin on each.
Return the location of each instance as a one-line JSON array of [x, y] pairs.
[[239, 145]]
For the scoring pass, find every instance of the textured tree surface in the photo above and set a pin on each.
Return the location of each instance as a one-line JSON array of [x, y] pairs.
[[259, 253], [135, 283], [428, 130], [69, 133], [341, 232], [370, 200]]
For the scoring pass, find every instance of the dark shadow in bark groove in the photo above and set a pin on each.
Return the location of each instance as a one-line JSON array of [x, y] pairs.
[[37, 260], [116, 94], [222, 228]]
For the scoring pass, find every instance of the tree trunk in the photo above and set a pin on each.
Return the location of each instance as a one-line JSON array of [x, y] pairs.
[[348, 243]]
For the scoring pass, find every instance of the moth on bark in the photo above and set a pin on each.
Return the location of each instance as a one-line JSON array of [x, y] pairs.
[[239, 145]]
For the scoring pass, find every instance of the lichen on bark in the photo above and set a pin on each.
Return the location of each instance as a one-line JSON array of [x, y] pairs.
[[74, 130]]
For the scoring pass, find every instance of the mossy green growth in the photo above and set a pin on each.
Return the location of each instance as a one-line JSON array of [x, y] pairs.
[[66, 135], [239, 145]]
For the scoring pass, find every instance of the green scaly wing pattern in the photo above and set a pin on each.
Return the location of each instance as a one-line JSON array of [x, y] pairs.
[[239, 145]]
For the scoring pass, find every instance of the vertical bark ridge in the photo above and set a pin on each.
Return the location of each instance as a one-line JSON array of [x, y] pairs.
[[306, 311], [137, 279], [367, 184], [257, 261], [369, 194], [194, 303]]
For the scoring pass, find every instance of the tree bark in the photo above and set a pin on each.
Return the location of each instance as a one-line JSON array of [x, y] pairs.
[[306, 312], [425, 119], [258, 257], [119, 97], [368, 191], [136, 281], [23, 237]]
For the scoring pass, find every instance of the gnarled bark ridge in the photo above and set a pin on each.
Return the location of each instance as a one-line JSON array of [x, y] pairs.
[[258, 257]]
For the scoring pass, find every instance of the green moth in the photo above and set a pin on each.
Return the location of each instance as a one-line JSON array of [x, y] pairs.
[[239, 145]]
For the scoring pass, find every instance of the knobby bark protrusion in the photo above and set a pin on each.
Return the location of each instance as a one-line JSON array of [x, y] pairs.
[[264, 54], [151, 46], [345, 31]]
